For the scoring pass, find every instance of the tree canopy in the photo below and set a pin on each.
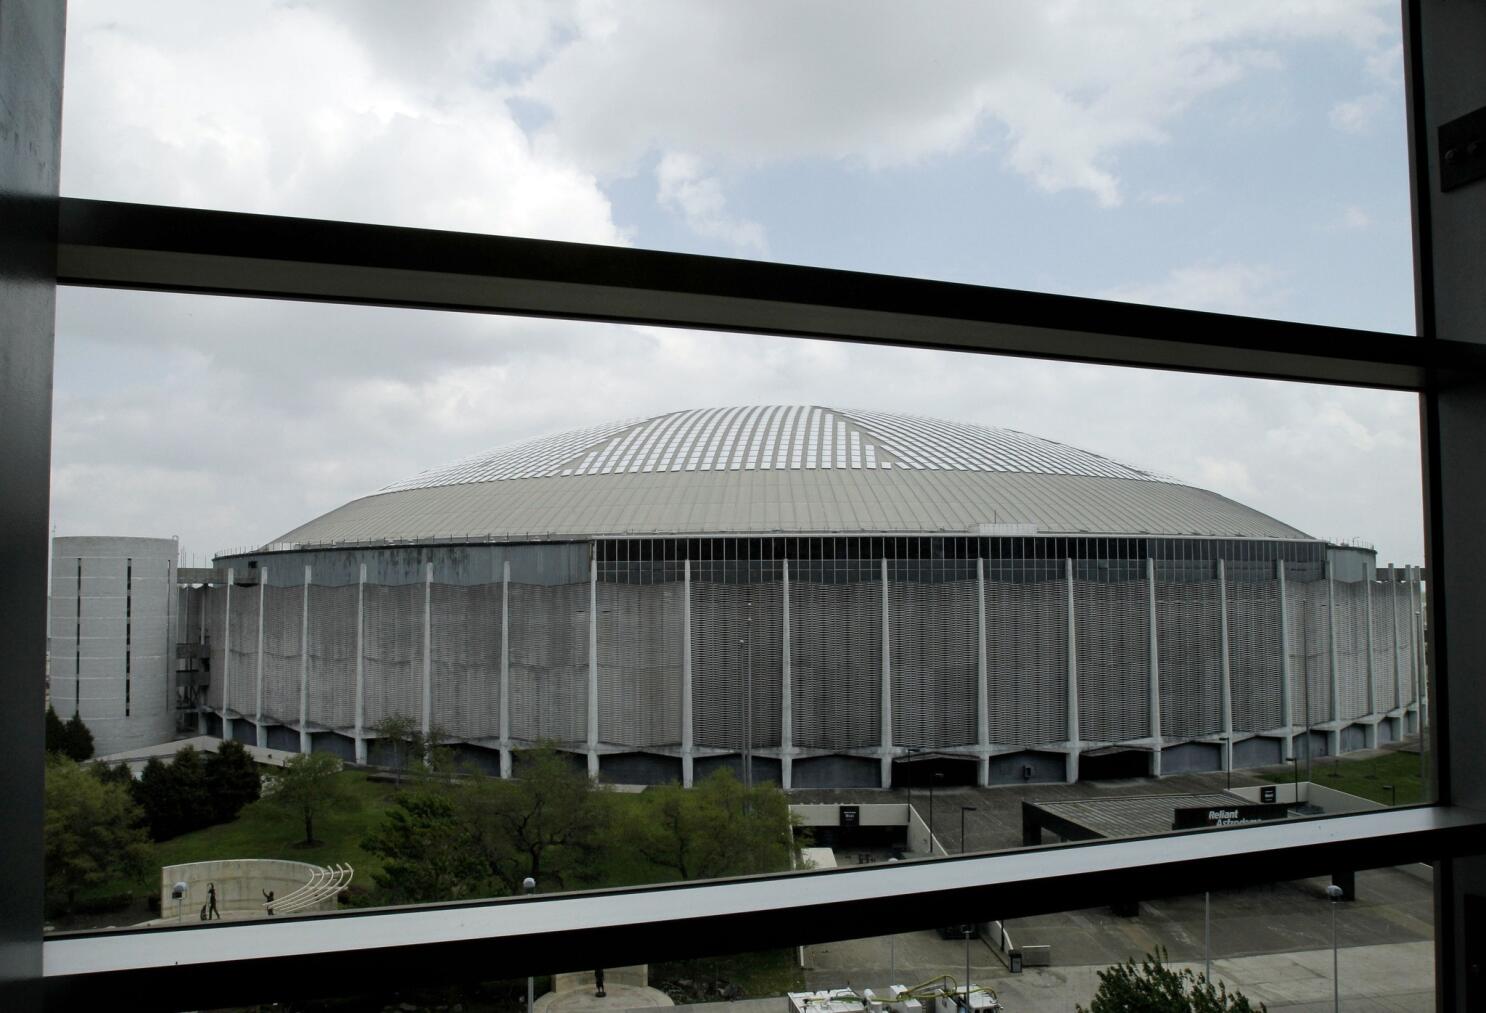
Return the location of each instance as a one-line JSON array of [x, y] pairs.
[[429, 852], [71, 738], [718, 828], [306, 787], [92, 831], [478, 836], [1153, 987]]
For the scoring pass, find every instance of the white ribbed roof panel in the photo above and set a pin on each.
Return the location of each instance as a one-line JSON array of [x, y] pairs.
[[768, 437], [785, 470]]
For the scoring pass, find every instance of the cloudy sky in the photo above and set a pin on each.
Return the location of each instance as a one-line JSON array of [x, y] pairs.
[[1245, 158]]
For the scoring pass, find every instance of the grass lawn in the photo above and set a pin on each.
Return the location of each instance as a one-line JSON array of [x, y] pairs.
[[262, 830], [1364, 777]]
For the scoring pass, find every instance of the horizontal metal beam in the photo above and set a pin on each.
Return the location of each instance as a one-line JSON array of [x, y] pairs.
[[156, 248], [236, 963]]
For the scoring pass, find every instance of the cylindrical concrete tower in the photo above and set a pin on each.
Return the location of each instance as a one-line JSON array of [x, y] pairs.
[[113, 638]]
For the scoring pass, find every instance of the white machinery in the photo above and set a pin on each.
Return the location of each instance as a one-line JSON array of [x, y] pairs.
[[937, 995]]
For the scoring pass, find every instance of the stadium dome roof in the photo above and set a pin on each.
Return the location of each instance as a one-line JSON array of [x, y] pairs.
[[784, 469]]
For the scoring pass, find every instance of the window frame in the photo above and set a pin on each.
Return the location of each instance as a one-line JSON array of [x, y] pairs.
[[50, 240]]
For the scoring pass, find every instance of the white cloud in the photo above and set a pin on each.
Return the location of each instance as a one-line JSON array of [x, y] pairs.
[[699, 199], [1353, 217], [1060, 88], [1356, 116], [286, 109], [1254, 289]]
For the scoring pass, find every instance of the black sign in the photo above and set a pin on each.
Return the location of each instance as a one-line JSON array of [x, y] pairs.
[[1226, 816], [1267, 794], [849, 815]]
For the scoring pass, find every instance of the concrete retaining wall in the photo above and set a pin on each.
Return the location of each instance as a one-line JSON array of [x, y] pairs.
[[240, 884]]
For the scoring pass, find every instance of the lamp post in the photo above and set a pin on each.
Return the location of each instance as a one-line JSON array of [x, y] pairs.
[[529, 886], [1392, 794], [969, 926], [963, 810], [1207, 935], [1335, 893]]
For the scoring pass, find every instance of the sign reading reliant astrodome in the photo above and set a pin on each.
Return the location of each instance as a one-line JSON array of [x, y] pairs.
[[1192, 817]]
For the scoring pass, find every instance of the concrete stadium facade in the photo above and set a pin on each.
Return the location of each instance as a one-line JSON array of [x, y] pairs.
[[829, 597]]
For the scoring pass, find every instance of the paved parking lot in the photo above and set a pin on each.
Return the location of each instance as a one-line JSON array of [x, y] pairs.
[[1273, 943]]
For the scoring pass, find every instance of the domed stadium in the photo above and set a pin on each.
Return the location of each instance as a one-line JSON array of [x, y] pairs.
[[821, 596]]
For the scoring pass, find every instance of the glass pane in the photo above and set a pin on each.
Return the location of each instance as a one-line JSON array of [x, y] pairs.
[[1248, 161], [859, 603]]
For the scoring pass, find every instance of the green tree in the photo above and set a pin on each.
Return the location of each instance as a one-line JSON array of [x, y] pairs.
[[174, 795], [429, 850], [56, 731], [1152, 987], [308, 785], [549, 824], [92, 832], [232, 781], [400, 733], [114, 773], [718, 828], [77, 741]]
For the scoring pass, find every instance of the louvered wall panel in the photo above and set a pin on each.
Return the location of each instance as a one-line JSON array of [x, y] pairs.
[[1384, 681], [1027, 657], [1255, 667], [243, 646], [640, 664], [393, 646], [549, 663], [722, 642], [1351, 646], [212, 620], [934, 643], [332, 644], [1318, 650], [1112, 624], [836, 656], [465, 660], [1403, 610], [282, 615], [1187, 625]]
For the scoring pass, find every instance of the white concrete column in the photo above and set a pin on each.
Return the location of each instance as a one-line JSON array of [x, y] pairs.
[[360, 715], [1398, 690], [227, 658], [886, 687], [200, 642], [1225, 669], [982, 682], [505, 669], [1333, 737], [1410, 574], [688, 743], [1287, 677], [260, 733], [427, 722], [593, 667], [1421, 689], [1153, 646], [1370, 730], [304, 665], [1075, 743], [786, 701]]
